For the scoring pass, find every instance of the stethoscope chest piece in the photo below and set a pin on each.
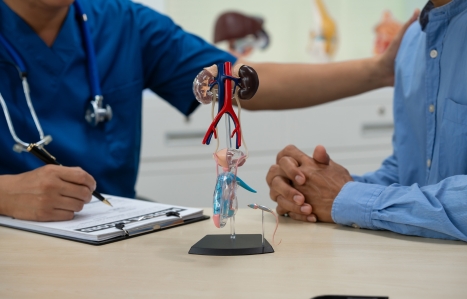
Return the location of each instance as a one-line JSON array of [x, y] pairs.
[[96, 113]]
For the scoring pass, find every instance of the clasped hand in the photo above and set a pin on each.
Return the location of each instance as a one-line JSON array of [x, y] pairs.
[[305, 187]]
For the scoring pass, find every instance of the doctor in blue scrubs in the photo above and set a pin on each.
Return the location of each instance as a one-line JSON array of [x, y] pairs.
[[128, 48]]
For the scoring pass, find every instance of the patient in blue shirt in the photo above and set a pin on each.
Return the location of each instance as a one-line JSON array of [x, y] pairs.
[[421, 189]]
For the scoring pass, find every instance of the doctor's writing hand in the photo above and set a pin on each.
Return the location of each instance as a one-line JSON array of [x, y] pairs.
[[49, 193]]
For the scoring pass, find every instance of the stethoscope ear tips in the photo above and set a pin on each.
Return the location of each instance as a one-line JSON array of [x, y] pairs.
[[95, 113]]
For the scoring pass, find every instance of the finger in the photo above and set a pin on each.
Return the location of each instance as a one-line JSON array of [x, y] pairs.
[[281, 187], [305, 218], [54, 215], [412, 19], [284, 212], [274, 171], [394, 45], [281, 211], [320, 155], [68, 204], [77, 176], [290, 168], [77, 192], [287, 205], [293, 152]]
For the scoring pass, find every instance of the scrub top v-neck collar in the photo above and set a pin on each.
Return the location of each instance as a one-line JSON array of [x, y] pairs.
[[29, 45]]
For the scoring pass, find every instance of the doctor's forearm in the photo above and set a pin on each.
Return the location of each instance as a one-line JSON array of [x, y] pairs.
[[289, 86]]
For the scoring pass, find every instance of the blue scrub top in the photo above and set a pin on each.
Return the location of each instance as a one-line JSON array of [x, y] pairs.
[[136, 48]]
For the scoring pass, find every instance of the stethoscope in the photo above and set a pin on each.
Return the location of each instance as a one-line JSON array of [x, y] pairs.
[[95, 112]]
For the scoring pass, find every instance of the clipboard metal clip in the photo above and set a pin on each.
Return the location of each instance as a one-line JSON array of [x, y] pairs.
[[143, 230], [121, 226]]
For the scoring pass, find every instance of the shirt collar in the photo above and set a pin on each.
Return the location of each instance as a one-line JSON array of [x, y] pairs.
[[424, 14], [430, 13]]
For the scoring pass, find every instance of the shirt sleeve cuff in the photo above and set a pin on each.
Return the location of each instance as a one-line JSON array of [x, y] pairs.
[[354, 204], [357, 178]]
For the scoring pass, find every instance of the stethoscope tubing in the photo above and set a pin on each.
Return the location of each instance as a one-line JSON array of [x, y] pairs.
[[17, 59], [90, 52], [20, 65], [10, 124]]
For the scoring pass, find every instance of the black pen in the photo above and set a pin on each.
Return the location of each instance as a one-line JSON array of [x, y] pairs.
[[47, 158]]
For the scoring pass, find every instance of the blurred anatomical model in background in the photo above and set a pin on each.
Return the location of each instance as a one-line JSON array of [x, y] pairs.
[[323, 38], [385, 31], [243, 33]]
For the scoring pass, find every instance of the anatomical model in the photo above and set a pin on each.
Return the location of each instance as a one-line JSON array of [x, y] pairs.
[[219, 84]]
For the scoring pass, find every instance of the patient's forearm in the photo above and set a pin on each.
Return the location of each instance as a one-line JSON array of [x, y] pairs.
[[289, 86]]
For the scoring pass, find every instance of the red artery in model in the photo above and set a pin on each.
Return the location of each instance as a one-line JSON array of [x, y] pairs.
[[224, 81]]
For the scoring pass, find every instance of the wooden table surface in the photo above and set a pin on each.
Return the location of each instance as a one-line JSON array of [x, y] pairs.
[[312, 260]]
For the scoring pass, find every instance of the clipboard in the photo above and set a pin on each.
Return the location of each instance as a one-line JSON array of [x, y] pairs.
[[98, 224], [116, 239]]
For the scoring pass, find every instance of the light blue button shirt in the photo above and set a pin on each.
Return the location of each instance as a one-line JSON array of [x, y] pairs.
[[421, 189]]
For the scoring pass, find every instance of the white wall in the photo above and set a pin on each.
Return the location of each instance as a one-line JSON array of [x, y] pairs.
[[289, 25], [158, 5]]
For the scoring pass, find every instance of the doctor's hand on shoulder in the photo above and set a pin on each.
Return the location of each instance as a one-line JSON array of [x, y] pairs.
[[305, 187], [48, 193]]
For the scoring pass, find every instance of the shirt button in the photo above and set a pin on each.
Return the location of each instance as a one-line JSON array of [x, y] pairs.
[[431, 108], [433, 53], [354, 225], [428, 163]]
